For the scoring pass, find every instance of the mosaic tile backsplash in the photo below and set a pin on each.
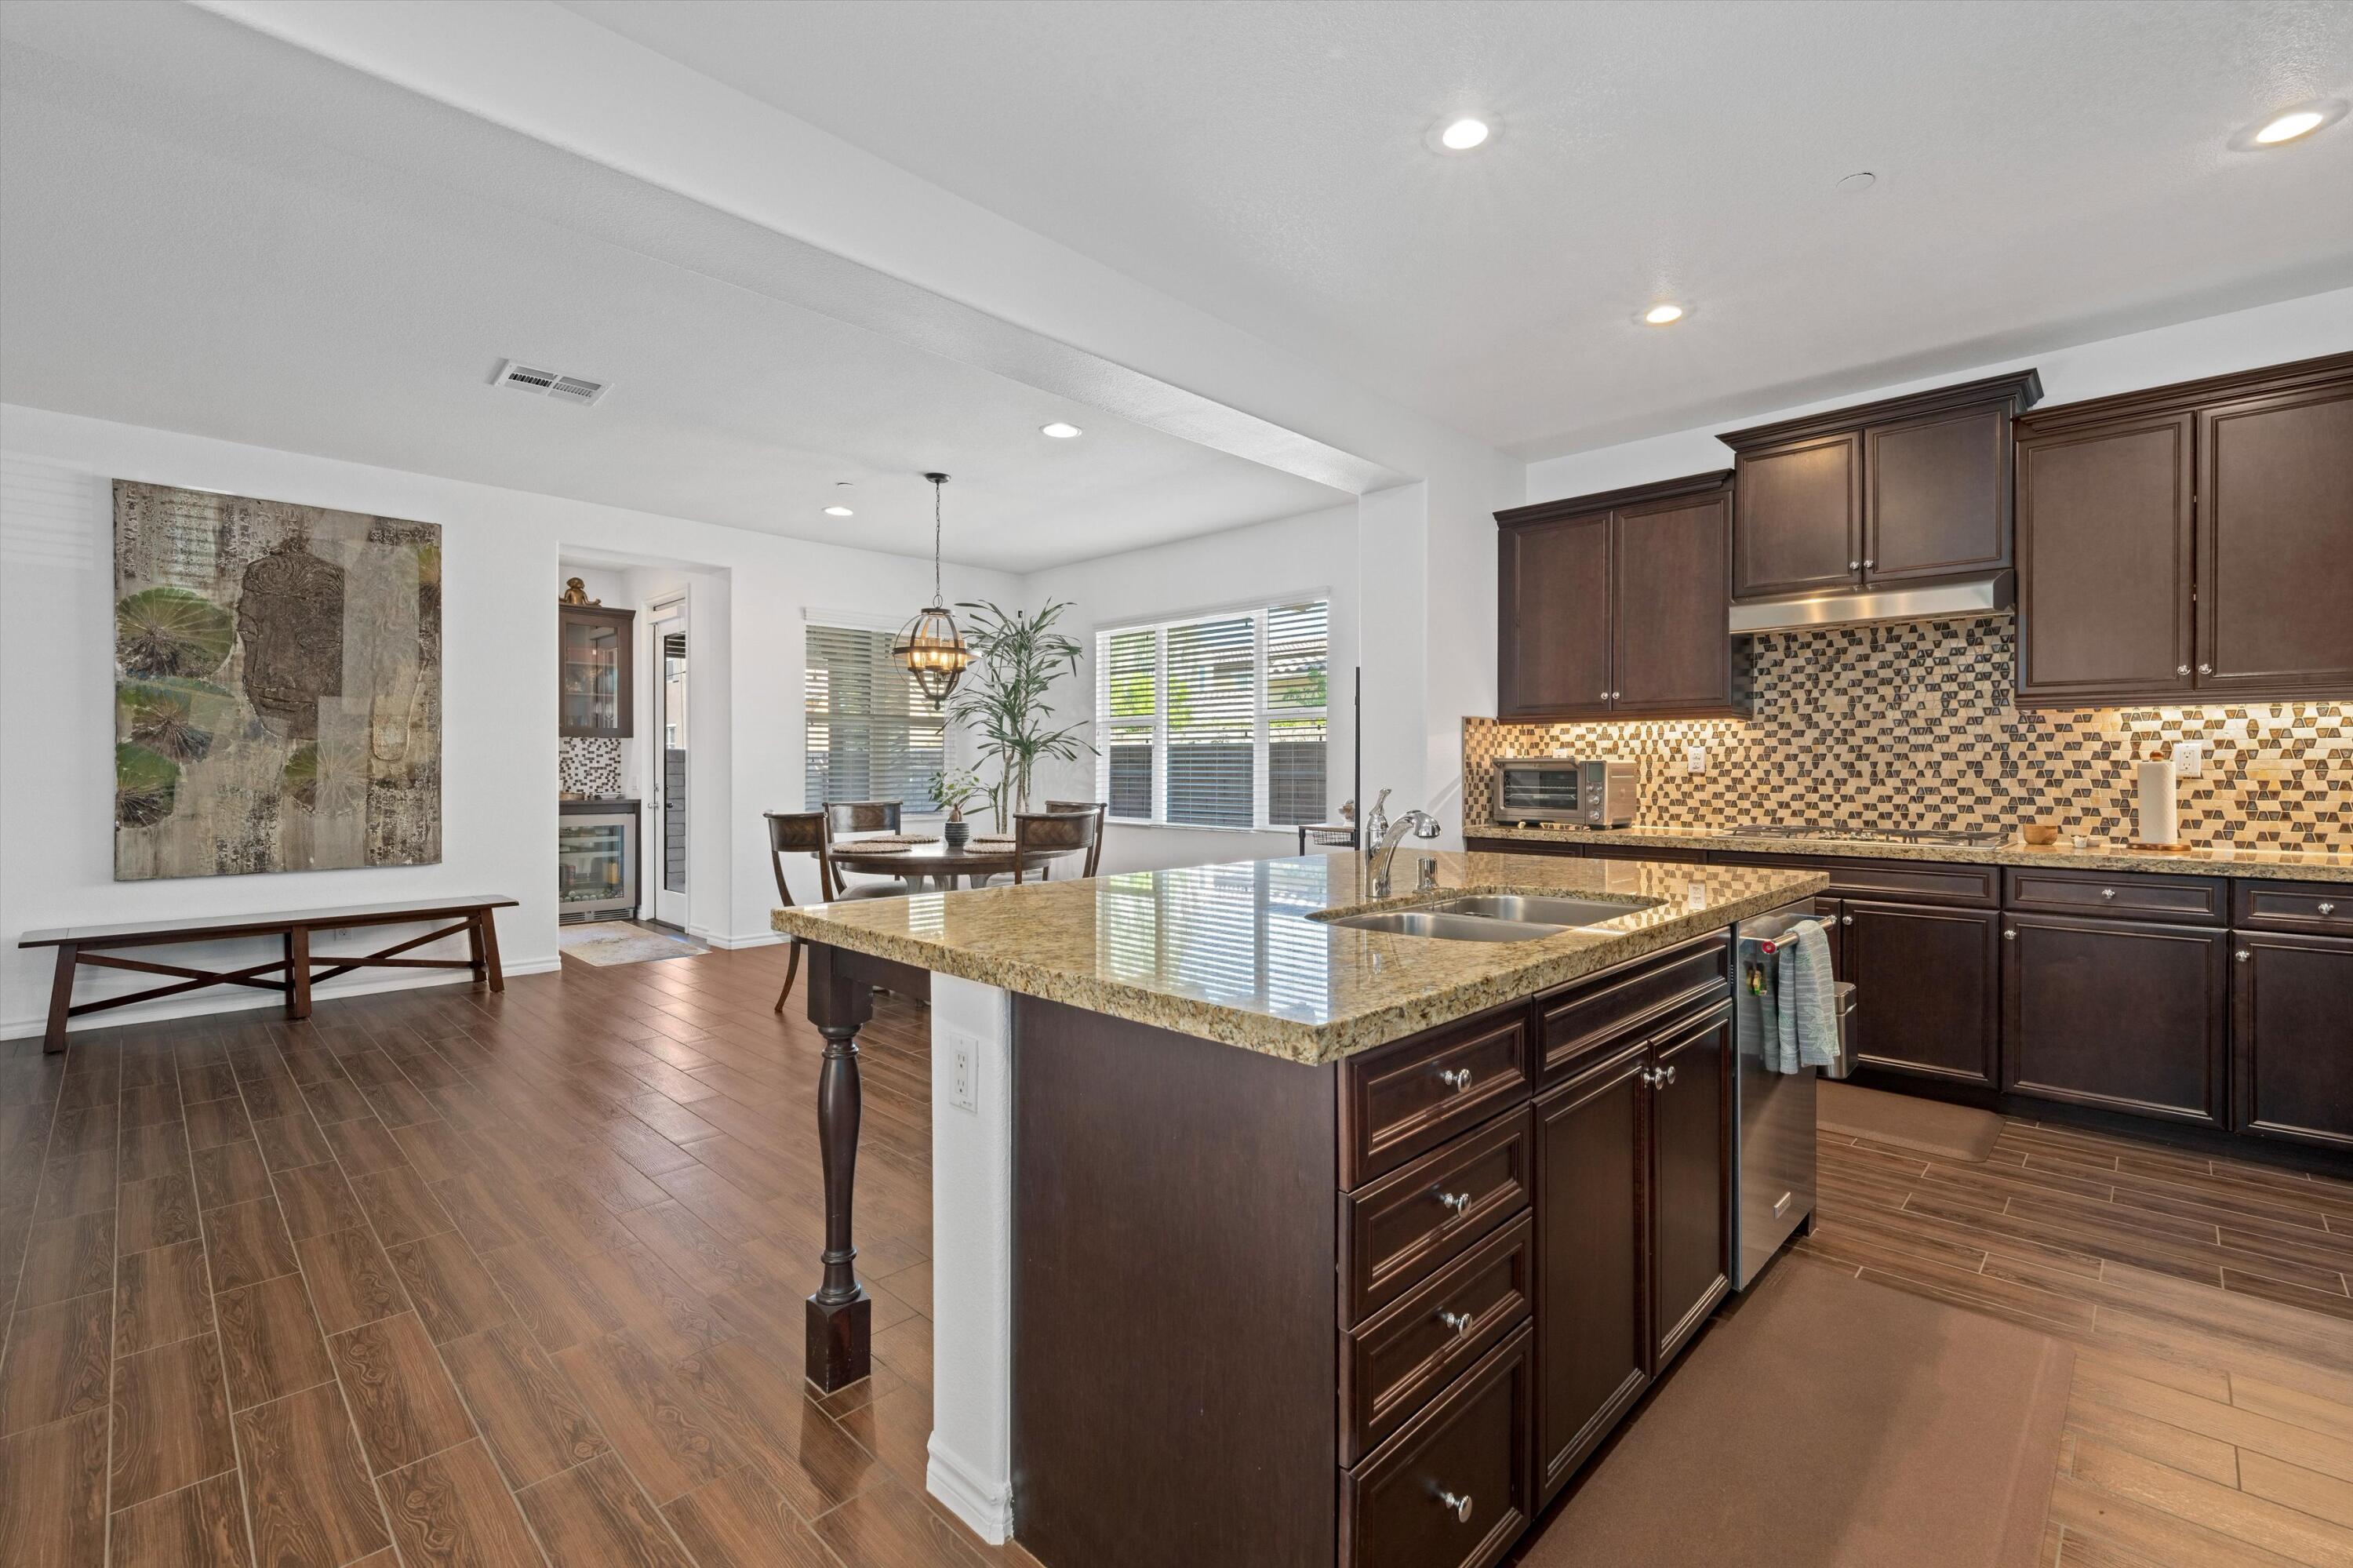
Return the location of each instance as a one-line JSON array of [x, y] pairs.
[[587, 765], [1913, 726]]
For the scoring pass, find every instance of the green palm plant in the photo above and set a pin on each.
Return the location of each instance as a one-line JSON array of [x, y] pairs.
[[1004, 700]]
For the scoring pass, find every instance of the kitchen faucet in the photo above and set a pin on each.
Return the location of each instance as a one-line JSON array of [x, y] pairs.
[[1381, 841]]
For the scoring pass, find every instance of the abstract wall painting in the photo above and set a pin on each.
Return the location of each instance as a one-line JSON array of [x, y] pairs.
[[277, 686]]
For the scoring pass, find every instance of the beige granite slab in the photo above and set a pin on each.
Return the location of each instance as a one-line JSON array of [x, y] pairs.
[[1230, 953], [2203, 860]]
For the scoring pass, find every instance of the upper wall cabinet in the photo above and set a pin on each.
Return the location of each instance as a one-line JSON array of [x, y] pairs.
[[1613, 606], [1913, 489], [593, 665], [2189, 543]]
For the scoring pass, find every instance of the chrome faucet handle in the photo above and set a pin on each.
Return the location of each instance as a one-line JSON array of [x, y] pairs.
[[1376, 823]]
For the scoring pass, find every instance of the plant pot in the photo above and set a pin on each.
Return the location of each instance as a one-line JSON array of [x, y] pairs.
[[957, 832]]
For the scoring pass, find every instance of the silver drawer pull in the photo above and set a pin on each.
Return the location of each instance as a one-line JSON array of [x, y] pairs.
[[1460, 1507], [2107, 893], [1455, 1078], [2242, 955], [1459, 1321], [1458, 1204], [2328, 909]]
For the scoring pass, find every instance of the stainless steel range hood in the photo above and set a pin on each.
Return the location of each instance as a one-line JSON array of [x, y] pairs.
[[1873, 606]]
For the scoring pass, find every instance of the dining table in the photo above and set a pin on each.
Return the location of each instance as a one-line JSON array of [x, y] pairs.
[[935, 866]]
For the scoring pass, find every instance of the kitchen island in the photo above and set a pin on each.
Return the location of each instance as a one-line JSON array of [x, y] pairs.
[[1260, 1238]]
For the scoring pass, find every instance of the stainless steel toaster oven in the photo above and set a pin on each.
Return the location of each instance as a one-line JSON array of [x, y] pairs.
[[1597, 792]]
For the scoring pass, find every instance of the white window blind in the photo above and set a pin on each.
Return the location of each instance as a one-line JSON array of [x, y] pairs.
[[1218, 721], [871, 734]]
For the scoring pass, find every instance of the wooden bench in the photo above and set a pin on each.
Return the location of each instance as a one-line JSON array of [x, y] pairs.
[[297, 970]]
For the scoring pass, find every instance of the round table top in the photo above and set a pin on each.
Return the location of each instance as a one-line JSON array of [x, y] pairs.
[[974, 859]]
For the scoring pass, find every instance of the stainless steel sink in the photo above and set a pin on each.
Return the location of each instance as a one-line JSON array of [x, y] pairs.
[[1534, 911], [1451, 927]]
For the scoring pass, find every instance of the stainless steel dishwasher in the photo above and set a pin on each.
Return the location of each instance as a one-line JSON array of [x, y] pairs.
[[1772, 1113]]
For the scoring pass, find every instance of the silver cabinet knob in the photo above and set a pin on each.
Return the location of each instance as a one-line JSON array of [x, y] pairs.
[[1846, 919], [2181, 669], [2205, 669], [1459, 1321], [1456, 1204], [2242, 955], [1605, 696], [2328, 909], [2107, 893], [1868, 563], [1460, 1507], [1854, 565], [1455, 1078], [2009, 936]]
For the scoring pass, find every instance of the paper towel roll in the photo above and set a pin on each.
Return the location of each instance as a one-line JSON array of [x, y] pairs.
[[2159, 824]]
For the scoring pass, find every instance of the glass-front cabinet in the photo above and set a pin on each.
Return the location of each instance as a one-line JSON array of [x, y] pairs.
[[597, 860], [593, 667]]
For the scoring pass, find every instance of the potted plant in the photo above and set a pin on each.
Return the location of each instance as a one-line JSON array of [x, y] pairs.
[[957, 787], [1004, 701]]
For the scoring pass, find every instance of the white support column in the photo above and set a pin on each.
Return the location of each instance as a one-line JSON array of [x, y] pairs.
[[971, 1467]]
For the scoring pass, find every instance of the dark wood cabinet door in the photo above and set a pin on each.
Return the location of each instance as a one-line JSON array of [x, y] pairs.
[[1451, 1490], [596, 670], [1798, 516], [1593, 1281], [2121, 1014], [1690, 1219], [2291, 1038], [1553, 622], [1936, 496], [2276, 544], [1927, 987], [1671, 568], [2104, 561]]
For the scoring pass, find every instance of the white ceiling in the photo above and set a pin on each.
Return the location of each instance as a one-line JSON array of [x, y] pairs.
[[201, 234], [2048, 175]]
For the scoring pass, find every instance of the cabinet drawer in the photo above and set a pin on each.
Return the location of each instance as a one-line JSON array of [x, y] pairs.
[[1403, 1228], [2315, 908], [1475, 845], [2180, 900], [1391, 1366], [1913, 883], [1575, 1021], [1400, 1100], [1642, 851], [1451, 1490]]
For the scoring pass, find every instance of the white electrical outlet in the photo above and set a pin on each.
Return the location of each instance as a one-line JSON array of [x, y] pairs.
[[1695, 758], [963, 1088], [2189, 758]]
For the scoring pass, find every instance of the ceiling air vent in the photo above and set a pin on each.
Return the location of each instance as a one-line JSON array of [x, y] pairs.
[[548, 383]]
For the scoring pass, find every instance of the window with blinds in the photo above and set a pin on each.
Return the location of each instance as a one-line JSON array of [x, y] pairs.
[[1216, 722], [871, 734]]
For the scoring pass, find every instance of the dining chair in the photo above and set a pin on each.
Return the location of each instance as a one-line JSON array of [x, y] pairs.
[[845, 816], [1053, 830], [1102, 809], [806, 832]]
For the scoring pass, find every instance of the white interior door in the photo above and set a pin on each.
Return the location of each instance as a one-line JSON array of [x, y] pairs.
[[667, 825]]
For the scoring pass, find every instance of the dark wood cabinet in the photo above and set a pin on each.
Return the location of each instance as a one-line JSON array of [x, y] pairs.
[[2292, 1037], [2127, 1015], [1927, 987], [1690, 1223], [2188, 542], [596, 670], [1451, 1490], [1912, 489], [1593, 1277], [1614, 605]]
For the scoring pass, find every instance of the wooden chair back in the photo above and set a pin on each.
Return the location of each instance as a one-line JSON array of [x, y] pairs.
[[1053, 830], [863, 816], [802, 832], [1102, 809]]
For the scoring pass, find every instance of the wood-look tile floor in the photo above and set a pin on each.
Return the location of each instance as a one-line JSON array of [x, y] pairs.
[[443, 1277]]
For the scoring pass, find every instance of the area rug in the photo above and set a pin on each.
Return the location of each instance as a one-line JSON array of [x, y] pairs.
[[1831, 1423], [622, 943], [1932, 1126]]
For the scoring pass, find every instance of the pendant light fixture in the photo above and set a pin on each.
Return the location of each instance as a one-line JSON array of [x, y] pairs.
[[931, 649]]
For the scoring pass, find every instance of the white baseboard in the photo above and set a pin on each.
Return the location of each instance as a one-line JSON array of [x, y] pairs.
[[753, 939], [986, 1505], [198, 1005]]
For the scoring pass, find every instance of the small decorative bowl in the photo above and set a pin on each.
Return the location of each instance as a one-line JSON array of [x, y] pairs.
[[2039, 833]]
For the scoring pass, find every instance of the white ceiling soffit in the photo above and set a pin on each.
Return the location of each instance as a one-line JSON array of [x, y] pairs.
[[2047, 174], [219, 211]]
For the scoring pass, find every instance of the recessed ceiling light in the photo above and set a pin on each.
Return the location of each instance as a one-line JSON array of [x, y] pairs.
[[1464, 135], [1660, 316], [2289, 125], [1061, 431], [839, 512]]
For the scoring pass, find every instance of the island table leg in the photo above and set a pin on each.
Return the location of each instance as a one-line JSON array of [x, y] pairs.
[[841, 1314]]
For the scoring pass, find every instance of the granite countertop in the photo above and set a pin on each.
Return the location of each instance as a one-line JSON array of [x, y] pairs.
[[2219, 860], [1230, 952]]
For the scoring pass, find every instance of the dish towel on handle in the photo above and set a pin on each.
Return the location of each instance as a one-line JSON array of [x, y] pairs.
[[1806, 1006]]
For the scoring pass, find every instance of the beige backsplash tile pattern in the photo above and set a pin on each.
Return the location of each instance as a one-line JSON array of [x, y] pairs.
[[1913, 726]]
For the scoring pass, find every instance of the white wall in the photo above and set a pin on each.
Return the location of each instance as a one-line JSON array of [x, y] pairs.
[[1263, 564], [2214, 345], [500, 548]]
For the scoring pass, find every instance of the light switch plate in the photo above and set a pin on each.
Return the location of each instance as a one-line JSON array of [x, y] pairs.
[[963, 1072], [2189, 758], [1695, 758]]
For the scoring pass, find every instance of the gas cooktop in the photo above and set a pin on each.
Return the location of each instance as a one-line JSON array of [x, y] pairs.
[[1881, 835]]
